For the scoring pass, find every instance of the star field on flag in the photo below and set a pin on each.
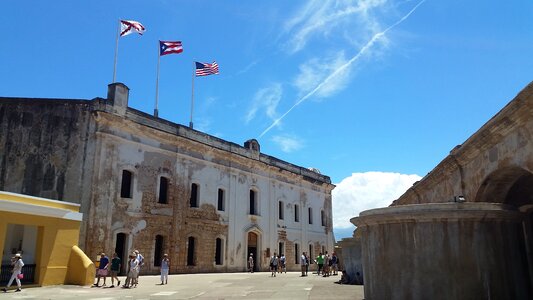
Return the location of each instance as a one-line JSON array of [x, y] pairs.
[[167, 47], [204, 69]]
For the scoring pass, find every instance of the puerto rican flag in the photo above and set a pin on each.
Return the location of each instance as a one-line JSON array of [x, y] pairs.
[[128, 27], [167, 47]]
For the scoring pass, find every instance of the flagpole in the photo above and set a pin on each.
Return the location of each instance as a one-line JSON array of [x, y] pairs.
[[116, 54], [192, 92], [156, 112]]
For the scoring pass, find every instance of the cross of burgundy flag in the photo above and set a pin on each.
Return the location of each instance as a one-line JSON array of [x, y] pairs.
[[166, 47], [128, 27], [204, 69]]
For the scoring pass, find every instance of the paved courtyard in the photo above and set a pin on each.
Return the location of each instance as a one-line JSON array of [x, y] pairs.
[[206, 286]]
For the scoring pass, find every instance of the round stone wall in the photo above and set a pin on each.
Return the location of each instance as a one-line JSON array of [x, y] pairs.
[[444, 251]]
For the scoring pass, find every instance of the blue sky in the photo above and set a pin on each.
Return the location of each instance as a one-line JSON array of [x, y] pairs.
[[380, 103]]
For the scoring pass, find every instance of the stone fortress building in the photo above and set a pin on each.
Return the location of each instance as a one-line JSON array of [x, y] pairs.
[[146, 183], [464, 231]]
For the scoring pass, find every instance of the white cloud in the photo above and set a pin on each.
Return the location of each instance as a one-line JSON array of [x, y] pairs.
[[329, 18], [266, 99], [288, 143], [363, 191], [314, 71], [247, 68], [367, 49]]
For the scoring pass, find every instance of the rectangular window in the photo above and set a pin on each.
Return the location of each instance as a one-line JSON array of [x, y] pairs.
[[194, 195], [218, 251], [190, 251], [252, 203], [280, 210], [163, 190], [297, 254], [296, 213], [323, 218], [310, 215], [311, 252], [281, 248], [125, 189], [221, 199]]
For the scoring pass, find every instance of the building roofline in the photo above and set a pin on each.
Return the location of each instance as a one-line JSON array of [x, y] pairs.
[[144, 119]]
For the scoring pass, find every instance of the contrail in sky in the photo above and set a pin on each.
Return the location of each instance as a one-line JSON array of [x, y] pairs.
[[370, 43]]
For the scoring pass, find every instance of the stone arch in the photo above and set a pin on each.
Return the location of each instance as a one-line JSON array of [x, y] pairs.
[[509, 185], [513, 186], [223, 249], [253, 236]]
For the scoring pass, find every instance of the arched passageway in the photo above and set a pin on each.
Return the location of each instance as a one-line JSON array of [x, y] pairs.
[[513, 186]]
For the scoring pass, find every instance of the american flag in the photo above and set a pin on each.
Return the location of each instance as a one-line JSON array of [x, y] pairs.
[[166, 47], [128, 27], [204, 69]]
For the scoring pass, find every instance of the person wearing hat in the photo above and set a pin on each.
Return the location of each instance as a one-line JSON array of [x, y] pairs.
[[17, 264], [165, 267], [133, 267]]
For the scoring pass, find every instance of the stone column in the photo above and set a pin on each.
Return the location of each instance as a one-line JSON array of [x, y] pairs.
[[444, 251]]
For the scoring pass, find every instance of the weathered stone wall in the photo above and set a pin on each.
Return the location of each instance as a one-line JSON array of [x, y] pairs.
[[506, 141], [149, 154], [444, 251], [84, 147], [46, 149], [351, 258], [434, 244]]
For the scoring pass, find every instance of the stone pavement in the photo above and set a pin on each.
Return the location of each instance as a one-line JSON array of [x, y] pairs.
[[205, 286]]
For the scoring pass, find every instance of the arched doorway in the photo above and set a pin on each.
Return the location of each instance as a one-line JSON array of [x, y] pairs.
[[514, 186], [253, 239]]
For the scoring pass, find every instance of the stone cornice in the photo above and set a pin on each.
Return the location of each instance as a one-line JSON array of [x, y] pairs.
[[432, 212]]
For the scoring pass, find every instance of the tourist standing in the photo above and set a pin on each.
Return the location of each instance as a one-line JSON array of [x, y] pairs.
[[306, 263], [320, 262], [102, 269], [133, 270], [116, 263], [16, 272], [302, 264], [334, 263], [282, 266], [140, 259], [165, 267], [327, 261], [273, 264], [251, 263]]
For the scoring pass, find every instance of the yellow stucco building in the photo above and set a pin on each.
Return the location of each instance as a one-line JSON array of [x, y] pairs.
[[46, 233]]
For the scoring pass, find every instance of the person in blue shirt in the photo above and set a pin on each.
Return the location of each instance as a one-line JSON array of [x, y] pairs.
[[102, 269]]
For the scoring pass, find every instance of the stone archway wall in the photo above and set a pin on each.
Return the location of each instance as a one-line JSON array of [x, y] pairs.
[[505, 142], [425, 246]]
